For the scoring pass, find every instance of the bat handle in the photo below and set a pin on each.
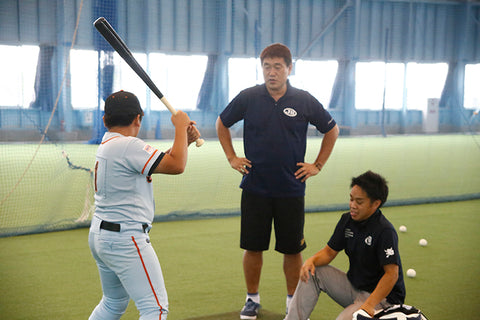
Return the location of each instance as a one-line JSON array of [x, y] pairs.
[[168, 105], [199, 142]]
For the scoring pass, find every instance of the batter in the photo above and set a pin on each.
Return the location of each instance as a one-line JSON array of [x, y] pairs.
[[118, 239]]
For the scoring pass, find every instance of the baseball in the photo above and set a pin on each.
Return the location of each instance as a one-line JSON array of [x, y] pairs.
[[411, 273], [402, 229], [423, 242]]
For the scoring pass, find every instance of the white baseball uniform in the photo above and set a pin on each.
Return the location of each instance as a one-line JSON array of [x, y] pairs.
[[118, 239]]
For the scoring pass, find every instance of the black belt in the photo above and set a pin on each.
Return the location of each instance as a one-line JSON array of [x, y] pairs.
[[115, 227]]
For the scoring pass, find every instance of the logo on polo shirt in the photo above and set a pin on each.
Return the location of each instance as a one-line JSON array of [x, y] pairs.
[[368, 240], [348, 233], [290, 112], [389, 252]]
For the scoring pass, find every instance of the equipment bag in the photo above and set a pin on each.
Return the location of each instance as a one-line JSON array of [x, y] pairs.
[[395, 312]]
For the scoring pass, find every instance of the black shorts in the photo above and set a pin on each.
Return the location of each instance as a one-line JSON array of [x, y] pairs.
[[288, 216]]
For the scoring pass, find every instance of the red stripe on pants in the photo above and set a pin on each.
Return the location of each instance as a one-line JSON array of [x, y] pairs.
[[148, 277]]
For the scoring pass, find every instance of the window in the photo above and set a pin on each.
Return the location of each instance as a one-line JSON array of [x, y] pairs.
[[126, 79], [471, 97], [243, 73], [424, 81], [18, 67], [316, 77], [84, 79], [179, 78], [378, 82]]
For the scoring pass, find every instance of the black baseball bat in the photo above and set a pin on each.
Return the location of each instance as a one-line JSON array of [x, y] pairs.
[[112, 37]]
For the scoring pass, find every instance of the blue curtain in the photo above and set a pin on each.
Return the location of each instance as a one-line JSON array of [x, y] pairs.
[[343, 92], [108, 10], [338, 86], [204, 101], [213, 95], [43, 80], [106, 74], [452, 94]]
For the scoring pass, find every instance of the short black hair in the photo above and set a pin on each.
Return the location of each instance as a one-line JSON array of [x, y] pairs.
[[373, 184], [277, 50], [121, 108]]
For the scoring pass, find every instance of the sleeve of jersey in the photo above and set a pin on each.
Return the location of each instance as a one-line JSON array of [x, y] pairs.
[[234, 111], [142, 157], [320, 117], [387, 250], [337, 240]]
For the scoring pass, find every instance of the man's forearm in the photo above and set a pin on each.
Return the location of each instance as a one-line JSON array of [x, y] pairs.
[[383, 288], [328, 142], [225, 139]]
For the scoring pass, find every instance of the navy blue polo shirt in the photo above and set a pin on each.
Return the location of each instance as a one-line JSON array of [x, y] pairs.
[[369, 245], [275, 136]]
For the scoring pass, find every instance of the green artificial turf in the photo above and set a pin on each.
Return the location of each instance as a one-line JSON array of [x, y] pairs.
[[53, 276]]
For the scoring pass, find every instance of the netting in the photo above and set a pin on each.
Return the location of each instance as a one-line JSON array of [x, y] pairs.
[[55, 194]]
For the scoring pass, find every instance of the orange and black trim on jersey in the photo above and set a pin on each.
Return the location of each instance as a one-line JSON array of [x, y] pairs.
[[95, 182], [154, 166], [103, 142], [146, 163]]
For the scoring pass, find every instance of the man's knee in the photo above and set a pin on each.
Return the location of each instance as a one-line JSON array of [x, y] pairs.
[[322, 271], [116, 305], [110, 308], [328, 273]]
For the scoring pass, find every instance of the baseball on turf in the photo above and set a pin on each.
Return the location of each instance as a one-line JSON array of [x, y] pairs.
[[402, 229], [411, 273], [422, 242]]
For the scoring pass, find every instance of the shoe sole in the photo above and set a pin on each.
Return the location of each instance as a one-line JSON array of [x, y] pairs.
[[248, 317]]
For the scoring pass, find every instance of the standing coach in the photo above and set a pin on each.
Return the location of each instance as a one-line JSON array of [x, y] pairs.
[[276, 118]]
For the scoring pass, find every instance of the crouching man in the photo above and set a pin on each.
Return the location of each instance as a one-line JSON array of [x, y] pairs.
[[375, 278]]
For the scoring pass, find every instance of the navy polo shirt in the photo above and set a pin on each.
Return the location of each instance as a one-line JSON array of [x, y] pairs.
[[275, 136], [369, 245]]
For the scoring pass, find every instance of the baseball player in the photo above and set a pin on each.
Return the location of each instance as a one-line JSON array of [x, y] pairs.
[[374, 280], [118, 238]]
